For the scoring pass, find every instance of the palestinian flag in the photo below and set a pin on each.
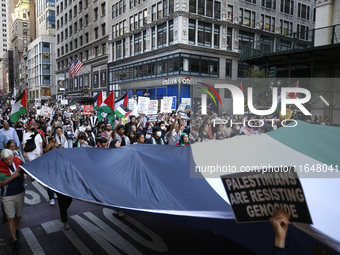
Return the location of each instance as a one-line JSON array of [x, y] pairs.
[[107, 107], [98, 100], [165, 192], [121, 104], [290, 95], [4, 170], [19, 107]]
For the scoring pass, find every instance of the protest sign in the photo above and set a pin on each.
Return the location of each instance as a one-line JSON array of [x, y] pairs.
[[73, 107], [184, 116], [88, 109], [181, 107], [166, 104], [152, 118], [46, 111], [186, 101], [254, 196], [132, 104], [288, 115], [153, 107], [64, 102], [143, 105]]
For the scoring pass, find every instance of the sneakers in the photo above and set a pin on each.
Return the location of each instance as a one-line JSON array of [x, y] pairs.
[[52, 202], [66, 225], [55, 196], [16, 245]]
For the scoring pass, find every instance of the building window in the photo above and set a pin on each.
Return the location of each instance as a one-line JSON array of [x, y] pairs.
[[153, 40], [144, 40], [247, 17], [303, 11], [96, 33], [216, 36], [154, 11], [118, 50], [230, 12], [86, 19], [103, 29], [204, 34], [270, 4], [228, 69], [171, 32], [138, 44], [302, 32], [161, 35], [192, 31], [217, 10], [159, 10], [103, 9], [87, 38], [287, 6], [267, 23], [95, 80], [245, 38], [95, 13]]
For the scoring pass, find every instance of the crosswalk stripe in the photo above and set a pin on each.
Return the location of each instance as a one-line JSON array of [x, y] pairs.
[[57, 225], [32, 241]]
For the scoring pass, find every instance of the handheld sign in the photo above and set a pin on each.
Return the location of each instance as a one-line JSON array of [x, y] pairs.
[[46, 111], [143, 105], [184, 116], [88, 109], [153, 107], [166, 104], [152, 118], [254, 196]]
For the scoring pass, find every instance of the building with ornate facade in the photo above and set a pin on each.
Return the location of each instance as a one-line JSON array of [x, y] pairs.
[[82, 31], [162, 48]]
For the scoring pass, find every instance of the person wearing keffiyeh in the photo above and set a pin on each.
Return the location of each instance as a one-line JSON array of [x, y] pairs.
[[13, 192]]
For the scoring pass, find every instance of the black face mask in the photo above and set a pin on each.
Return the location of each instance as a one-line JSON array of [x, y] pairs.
[[82, 137], [19, 126], [32, 129]]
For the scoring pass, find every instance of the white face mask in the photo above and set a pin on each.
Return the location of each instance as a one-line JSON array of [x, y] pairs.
[[238, 127], [147, 136], [159, 133], [162, 128]]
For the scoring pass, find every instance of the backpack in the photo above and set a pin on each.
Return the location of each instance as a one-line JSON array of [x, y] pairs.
[[30, 144]]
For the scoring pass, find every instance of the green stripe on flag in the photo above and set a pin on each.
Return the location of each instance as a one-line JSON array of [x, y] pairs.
[[316, 141], [3, 176]]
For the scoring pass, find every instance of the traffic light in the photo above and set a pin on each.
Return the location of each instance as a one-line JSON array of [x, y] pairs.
[[272, 72]]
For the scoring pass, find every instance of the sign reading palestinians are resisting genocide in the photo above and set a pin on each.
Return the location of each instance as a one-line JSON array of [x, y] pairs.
[[254, 196]]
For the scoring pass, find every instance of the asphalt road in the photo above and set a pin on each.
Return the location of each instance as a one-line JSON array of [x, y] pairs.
[[97, 230]]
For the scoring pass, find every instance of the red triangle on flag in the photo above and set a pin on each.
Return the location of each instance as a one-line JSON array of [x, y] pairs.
[[126, 100], [240, 86], [110, 101], [99, 99], [292, 94], [24, 100]]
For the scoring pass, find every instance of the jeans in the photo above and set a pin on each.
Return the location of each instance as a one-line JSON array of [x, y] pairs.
[[50, 193]]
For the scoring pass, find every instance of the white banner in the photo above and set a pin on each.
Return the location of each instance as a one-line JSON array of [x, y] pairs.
[[166, 104], [143, 105], [132, 104], [181, 107], [46, 111], [153, 107]]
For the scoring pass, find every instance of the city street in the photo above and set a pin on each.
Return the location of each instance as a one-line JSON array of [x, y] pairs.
[[95, 230]]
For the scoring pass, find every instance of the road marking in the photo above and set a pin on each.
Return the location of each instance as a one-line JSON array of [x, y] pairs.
[[32, 242], [57, 225], [104, 235], [156, 243], [41, 189], [35, 197]]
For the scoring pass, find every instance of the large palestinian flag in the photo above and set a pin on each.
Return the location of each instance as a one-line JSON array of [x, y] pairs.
[[162, 179], [19, 107]]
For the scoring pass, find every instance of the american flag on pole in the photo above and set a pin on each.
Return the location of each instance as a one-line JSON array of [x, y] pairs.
[[77, 65], [71, 69]]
